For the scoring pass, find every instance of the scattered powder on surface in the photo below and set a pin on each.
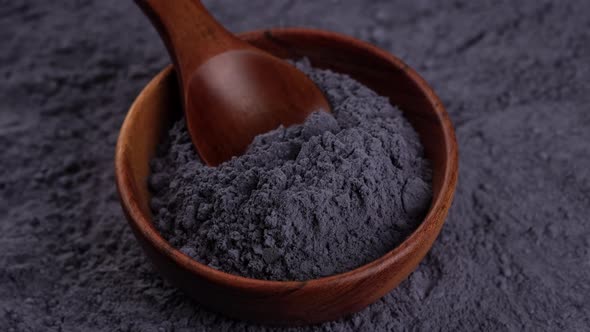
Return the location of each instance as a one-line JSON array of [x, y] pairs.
[[304, 202]]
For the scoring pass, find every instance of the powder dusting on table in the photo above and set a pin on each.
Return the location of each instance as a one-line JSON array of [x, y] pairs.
[[307, 201]]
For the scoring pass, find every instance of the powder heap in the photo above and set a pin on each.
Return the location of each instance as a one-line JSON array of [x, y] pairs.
[[303, 202]]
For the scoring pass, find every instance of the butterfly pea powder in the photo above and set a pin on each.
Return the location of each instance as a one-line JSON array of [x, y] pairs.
[[307, 201]]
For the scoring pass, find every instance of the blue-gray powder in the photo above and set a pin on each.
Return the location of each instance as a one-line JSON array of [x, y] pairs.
[[307, 201]]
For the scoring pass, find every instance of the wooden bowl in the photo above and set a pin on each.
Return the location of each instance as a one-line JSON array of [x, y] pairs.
[[291, 302]]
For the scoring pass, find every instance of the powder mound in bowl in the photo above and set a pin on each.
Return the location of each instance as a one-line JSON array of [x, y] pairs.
[[304, 202]]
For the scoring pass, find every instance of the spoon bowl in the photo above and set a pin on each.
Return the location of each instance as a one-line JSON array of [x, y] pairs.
[[291, 302], [250, 93]]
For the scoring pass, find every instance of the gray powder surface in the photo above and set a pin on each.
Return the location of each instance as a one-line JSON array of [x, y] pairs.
[[303, 202], [513, 255]]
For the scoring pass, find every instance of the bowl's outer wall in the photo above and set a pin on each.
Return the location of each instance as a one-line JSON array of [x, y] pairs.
[[292, 303]]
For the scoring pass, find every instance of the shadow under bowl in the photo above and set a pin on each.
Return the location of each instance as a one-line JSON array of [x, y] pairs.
[[291, 302]]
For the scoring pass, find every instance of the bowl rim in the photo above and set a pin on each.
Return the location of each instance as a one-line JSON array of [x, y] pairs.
[[142, 223]]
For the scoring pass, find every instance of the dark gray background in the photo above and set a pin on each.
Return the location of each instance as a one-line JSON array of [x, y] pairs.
[[513, 75]]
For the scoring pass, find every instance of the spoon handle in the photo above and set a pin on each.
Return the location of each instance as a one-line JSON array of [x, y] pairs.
[[190, 33]]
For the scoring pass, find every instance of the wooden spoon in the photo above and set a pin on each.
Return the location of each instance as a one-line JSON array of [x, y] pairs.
[[232, 91]]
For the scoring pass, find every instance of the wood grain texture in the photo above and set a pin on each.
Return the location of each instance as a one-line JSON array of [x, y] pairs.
[[231, 90], [313, 301]]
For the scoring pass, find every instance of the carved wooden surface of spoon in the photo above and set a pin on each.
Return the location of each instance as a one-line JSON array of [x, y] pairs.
[[232, 91]]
